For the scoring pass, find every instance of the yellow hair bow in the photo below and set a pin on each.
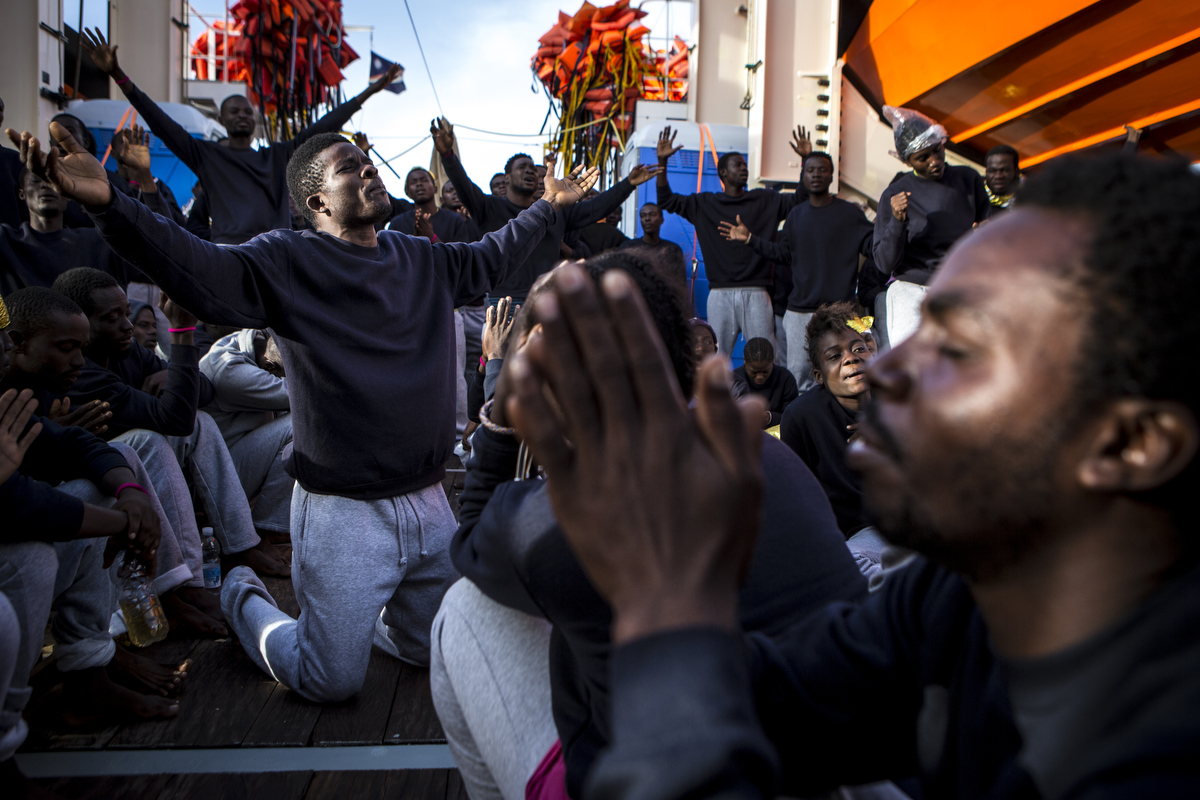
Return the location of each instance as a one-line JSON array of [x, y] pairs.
[[861, 324]]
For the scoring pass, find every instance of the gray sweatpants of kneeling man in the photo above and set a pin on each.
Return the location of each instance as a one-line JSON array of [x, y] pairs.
[[364, 572]]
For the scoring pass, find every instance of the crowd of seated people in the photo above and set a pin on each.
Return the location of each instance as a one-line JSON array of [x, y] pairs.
[[933, 546]]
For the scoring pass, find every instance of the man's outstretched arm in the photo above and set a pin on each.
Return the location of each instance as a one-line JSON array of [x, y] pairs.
[[222, 285], [597, 208]]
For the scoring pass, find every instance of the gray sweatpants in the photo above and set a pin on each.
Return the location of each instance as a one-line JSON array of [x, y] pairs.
[[71, 576], [490, 675], [259, 458], [364, 571], [740, 310], [903, 310], [205, 457], [798, 363]]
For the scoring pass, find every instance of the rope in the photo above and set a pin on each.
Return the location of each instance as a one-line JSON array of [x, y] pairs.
[[426, 63]]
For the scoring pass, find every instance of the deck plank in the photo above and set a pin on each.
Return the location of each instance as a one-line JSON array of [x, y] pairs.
[[411, 784], [225, 693], [413, 719], [455, 788], [253, 786], [363, 718], [281, 588], [287, 720]]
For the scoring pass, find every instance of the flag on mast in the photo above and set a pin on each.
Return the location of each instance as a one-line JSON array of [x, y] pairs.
[[380, 67]]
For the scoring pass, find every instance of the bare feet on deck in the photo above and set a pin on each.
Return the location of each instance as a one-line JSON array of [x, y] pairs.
[[263, 558], [186, 620], [143, 674], [90, 696], [203, 599]]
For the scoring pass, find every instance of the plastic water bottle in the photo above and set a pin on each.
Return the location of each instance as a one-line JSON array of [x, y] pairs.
[[145, 620], [212, 559]]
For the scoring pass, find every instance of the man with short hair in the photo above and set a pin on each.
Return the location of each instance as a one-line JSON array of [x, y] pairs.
[[155, 409], [42, 249], [364, 323], [739, 279], [498, 185], [651, 218], [447, 226], [491, 213], [760, 375], [921, 215], [245, 189], [1042, 645], [821, 242], [1001, 178]]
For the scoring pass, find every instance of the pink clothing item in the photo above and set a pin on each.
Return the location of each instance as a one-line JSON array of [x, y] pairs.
[[549, 780]]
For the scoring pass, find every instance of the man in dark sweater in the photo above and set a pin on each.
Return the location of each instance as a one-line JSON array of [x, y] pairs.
[[821, 241], [10, 182], [245, 189], [672, 254], [604, 234], [491, 213], [509, 548], [739, 279], [759, 375], [154, 406], [1043, 647], [42, 249], [921, 214], [447, 225], [364, 323], [70, 504]]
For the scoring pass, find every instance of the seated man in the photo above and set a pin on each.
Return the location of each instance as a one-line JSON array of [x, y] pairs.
[[507, 689], [250, 405], [49, 333], [154, 403], [818, 424], [1043, 645], [55, 545], [760, 375]]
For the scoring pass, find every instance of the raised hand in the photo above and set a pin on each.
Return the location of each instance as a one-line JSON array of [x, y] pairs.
[[734, 233], [391, 77], [498, 327], [360, 139], [801, 143], [92, 416], [77, 176], [443, 135], [900, 205], [642, 173], [15, 411], [563, 192], [660, 508], [177, 315], [666, 145], [423, 226], [103, 54], [132, 148]]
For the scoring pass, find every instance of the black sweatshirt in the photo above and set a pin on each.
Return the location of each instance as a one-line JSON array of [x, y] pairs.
[[120, 385], [510, 546], [600, 236], [491, 213], [33, 258], [727, 263], [814, 426], [10, 182], [779, 390], [907, 684], [32, 509], [822, 246], [939, 213], [246, 190], [447, 225], [366, 333]]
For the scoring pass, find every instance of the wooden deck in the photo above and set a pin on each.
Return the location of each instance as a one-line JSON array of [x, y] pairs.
[[232, 713]]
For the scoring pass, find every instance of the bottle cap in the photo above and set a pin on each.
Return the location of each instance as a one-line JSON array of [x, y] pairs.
[[206, 532]]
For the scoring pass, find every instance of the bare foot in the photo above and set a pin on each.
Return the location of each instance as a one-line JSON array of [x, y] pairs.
[[187, 620], [202, 599], [91, 696], [140, 673], [264, 559]]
